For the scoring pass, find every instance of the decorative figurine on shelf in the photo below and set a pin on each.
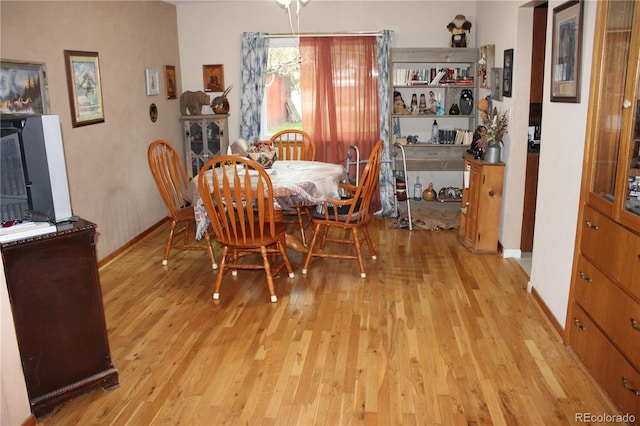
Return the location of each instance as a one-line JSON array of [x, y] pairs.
[[414, 104], [422, 109], [399, 106], [193, 102], [476, 146], [460, 29]]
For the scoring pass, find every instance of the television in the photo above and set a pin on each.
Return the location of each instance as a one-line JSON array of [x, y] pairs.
[[33, 174]]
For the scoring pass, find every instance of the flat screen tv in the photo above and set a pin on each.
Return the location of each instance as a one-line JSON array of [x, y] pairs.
[[33, 173]]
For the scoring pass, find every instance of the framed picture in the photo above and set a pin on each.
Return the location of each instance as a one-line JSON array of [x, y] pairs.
[[507, 73], [496, 84], [213, 76], [566, 45], [23, 88], [85, 88], [152, 82], [486, 64], [170, 81]]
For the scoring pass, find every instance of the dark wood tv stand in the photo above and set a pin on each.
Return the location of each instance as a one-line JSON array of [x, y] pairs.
[[56, 301]]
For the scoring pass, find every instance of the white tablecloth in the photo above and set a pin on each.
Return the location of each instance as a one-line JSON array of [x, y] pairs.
[[295, 183]]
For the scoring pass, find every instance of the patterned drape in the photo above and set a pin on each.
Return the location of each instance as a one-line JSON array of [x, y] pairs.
[[255, 55], [387, 195]]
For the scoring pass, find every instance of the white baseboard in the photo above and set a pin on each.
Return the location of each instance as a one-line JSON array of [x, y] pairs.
[[517, 253]]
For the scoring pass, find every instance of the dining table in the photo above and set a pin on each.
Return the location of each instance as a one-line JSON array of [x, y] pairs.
[[295, 183]]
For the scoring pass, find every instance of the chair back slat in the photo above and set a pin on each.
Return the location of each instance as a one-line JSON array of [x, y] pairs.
[[238, 196], [294, 144]]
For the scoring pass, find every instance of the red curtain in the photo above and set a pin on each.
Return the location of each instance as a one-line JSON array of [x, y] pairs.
[[339, 89]]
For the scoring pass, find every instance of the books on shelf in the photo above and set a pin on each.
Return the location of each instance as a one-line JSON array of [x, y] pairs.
[[433, 76]]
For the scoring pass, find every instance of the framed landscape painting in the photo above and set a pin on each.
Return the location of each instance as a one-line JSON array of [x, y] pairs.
[[23, 88]]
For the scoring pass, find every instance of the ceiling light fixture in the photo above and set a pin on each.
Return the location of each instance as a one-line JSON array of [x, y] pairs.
[[287, 5]]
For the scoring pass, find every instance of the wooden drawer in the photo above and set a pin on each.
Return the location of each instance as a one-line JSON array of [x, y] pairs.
[[617, 314], [610, 369], [613, 248]]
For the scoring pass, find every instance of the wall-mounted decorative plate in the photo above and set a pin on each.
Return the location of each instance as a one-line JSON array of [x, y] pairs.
[[153, 113]]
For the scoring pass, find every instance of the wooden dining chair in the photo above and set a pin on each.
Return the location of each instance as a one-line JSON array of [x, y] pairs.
[[348, 213], [238, 197], [171, 179], [294, 144]]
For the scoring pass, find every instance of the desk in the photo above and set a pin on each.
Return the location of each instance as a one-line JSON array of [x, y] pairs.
[[295, 183]]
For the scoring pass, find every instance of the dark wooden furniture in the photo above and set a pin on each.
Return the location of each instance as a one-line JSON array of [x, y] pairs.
[[529, 207], [481, 204], [56, 301]]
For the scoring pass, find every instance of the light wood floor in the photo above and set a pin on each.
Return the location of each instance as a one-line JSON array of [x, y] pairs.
[[435, 335]]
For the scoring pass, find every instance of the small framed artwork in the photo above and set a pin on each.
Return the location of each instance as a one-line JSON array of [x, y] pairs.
[[566, 45], [507, 73], [170, 81], [152, 82], [496, 84], [486, 64], [24, 88], [213, 76], [85, 88]]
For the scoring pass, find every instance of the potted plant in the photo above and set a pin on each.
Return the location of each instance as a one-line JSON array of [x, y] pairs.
[[495, 126]]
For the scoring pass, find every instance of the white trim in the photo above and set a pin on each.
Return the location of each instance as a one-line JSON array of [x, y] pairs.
[[517, 253]]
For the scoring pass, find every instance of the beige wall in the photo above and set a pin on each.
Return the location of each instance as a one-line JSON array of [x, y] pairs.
[[109, 179]]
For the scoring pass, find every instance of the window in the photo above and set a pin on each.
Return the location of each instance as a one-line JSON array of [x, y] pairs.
[[282, 107]]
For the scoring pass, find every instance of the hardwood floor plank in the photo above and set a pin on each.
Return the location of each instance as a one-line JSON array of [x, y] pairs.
[[434, 335]]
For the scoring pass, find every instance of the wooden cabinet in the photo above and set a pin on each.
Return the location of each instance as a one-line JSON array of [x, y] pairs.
[[481, 204], [205, 137], [603, 316], [56, 302]]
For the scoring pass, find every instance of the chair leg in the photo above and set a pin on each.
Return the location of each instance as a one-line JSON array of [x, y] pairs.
[[167, 248], [267, 271], [312, 245], [185, 237], [223, 264], [356, 241], [207, 238], [369, 243], [282, 246], [301, 224]]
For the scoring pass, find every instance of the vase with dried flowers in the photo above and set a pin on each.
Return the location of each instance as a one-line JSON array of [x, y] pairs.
[[495, 126]]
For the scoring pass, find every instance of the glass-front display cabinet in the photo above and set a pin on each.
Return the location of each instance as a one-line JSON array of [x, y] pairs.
[[614, 136], [205, 137], [603, 313]]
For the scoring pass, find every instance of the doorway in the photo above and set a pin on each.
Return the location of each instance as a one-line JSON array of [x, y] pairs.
[[535, 126]]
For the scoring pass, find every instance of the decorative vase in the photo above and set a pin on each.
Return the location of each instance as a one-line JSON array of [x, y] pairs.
[[429, 194], [454, 110], [466, 102], [492, 153]]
